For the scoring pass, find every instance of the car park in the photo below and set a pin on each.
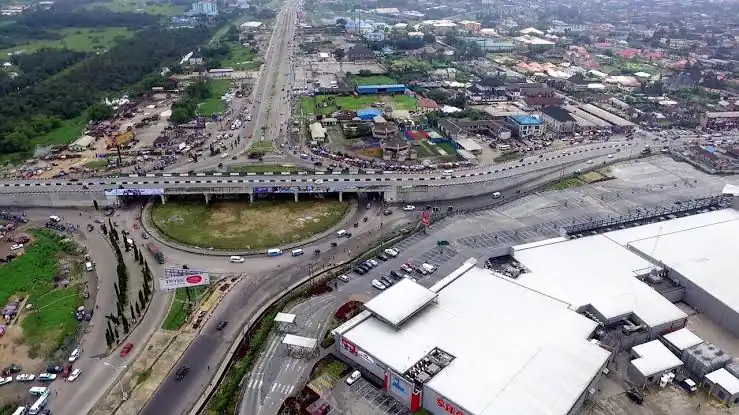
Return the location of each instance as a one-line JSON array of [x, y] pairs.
[[25, 377], [126, 349], [353, 377], [377, 284], [75, 374]]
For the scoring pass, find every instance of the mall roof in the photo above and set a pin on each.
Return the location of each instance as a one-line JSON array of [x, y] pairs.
[[682, 339], [654, 358], [401, 301], [726, 380], [701, 248], [595, 271], [509, 343]]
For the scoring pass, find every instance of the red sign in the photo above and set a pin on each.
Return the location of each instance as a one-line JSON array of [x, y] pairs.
[[448, 407], [194, 279], [349, 347], [425, 218]]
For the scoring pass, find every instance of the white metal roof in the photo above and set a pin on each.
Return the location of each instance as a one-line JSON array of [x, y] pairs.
[[654, 358], [726, 380], [300, 341], [597, 271], [701, 248], [469, 144], [285, 318], [731, 189], [401, 301], [682, 339], [509, 342]]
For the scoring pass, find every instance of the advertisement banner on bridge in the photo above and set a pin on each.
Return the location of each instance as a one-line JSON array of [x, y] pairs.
[[190, 279], [134, 192], [292, 189]]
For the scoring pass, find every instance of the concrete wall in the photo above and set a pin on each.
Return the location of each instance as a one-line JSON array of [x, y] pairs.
[[438, 405], [359, 357], [705, 303], [586, 393], [60, 199]]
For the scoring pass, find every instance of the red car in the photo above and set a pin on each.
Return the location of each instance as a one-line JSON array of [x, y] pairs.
[[126, 349]]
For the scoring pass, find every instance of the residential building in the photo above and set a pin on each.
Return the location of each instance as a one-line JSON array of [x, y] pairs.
[[576, 83], [470, 26], [359, 52], [541, 101], [426, 105], [720, 119], [317, 132], [558, 120], [456, 128], [374, 36], [383, 129], [397, 149], [204, 8], [82, 143], [526, 125]]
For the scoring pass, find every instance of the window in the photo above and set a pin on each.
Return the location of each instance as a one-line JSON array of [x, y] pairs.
[[721, 395]]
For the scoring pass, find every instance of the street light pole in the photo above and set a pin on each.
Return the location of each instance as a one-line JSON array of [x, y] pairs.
[[124, 395]]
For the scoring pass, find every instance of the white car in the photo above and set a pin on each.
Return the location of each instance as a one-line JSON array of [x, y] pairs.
[[74, 355], [224, 155], [25, 377], [409, 208], [378, 285], [373, 262], [353, 377], [610, 156], [590, 161], [74, 375], [344, 278], [406, 268], [5, 381], [408, 277], [16, 247], [47, 377], [393, 253]]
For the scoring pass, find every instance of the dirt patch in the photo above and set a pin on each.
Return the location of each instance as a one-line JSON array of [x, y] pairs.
[[237, 225], [14, 351]]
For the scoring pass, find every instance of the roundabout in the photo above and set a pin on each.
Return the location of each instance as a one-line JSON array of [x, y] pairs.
[[234, 225]]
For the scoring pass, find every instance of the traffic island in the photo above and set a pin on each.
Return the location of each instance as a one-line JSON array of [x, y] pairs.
[[241, 227]]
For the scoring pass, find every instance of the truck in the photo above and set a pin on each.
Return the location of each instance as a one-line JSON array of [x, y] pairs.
[[154, 249]]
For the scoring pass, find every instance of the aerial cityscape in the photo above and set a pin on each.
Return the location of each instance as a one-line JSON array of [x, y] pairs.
[[373, 207]]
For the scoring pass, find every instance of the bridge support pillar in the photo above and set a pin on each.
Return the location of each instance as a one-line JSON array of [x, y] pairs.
[[164, 199], [251, 197], [296, 197], [341, 196], [207, 198]]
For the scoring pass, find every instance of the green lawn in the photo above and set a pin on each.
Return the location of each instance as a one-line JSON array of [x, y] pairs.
[[241, 225], [180, 310], [264, 146], [329, 103], [146, 6], [32, 275], [308, 105], [215, 104], [69, 131], [565, 184], [448, 149], [240, 58], [262, 168], [97, 164], [373, 80], [86, 40]]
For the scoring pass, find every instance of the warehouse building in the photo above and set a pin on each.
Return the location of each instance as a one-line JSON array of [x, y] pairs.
[[476, 343], [381, 89], [620, 124], [650, 362]]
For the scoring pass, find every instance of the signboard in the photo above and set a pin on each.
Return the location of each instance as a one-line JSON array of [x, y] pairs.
[[134, 192], [400, 387], [282, 189], [425, 218], [449, 407], [181, 278]]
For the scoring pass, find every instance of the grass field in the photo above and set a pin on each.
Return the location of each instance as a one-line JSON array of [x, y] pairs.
[[69, 131], [214, 104], [373, 80], [264, 146], [97, 164], [328, 104], [149, 7], [565, 184], [240, 58], [308, 105], [236, 225], [85, 40], [262, 168], [32, 276], [180, 310]]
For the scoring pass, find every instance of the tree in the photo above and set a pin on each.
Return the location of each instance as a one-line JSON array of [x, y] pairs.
[[95, 204], [108, 339], [115, 334], [99, 112], [341, 22], [141, 295], [132, 310], [339, 54], [138, 310], [125, 324]]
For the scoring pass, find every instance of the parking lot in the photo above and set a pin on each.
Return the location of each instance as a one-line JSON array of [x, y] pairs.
[[362, 398]]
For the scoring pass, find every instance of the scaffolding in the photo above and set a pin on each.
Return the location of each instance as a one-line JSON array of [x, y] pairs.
[[286, 322], [300, 347]]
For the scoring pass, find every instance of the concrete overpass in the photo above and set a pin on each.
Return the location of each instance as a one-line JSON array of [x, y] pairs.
[[395, 187]]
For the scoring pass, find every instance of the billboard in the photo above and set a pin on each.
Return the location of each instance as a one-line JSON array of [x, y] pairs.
[[400, 388], [134, 192], [181, 278]]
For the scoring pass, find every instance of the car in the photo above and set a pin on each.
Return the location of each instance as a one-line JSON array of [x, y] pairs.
[[610, 156], [54, 369], [353, 377], [16, 247], [25, 377], [67, 370], [47, 377], [382, 257], [75, 374], [590, 161], [126, 349], [391, 252], [368, 264], [386, 281], [409, 208], [373, 262], [74, 355], [378, 285], [6, 380], [395, 275], [221, 325], [182, 372], [360, 271], [343, 277], [406, 268], [387, 212], [408, 277], [635, 396]]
